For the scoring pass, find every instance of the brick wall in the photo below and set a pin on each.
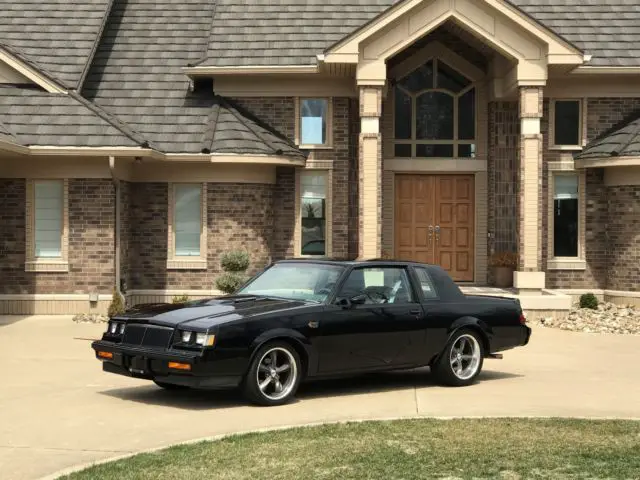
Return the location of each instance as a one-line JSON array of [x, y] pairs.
[[280, 114], [239, 216], [504, 142], [91, 241], [602, 114], [13, 278], [125, 230], [624, 238]]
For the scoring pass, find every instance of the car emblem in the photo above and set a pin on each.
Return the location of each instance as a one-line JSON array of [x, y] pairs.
[[313, 324]]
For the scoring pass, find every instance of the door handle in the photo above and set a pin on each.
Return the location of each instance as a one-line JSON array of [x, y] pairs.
[[430, 233], [416, 313], [437, 229]]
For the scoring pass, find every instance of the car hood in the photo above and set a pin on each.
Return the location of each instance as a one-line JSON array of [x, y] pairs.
[[209, 312]]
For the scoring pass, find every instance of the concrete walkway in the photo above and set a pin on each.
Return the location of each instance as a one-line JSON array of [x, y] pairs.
[[58, 409]]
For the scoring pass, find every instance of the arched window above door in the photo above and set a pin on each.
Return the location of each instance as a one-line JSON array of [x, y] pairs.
[[435, 113]]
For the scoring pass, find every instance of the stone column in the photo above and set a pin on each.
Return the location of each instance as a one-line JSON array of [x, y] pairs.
[[370, 173], [529, 278]]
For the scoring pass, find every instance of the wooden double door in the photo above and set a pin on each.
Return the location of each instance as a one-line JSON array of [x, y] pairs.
[[434, 222]]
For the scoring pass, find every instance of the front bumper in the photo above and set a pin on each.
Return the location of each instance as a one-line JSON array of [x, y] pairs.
[[153, 364]]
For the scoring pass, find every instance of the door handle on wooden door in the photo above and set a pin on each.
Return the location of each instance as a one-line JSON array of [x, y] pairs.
[[430, 234], [437, 229]]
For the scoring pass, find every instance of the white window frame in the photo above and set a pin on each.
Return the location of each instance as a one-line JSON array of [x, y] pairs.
[[328, 174], [298, 128], [566, 263], [582, 112], [45, 264], [175, 262]]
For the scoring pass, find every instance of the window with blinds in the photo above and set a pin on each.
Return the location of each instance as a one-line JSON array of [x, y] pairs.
[[48, 218], [187, 219]]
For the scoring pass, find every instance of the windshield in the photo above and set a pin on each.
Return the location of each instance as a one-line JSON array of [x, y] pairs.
[[296, 281]]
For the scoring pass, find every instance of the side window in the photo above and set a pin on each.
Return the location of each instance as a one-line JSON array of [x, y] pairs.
[[426, 284], [380, 285]]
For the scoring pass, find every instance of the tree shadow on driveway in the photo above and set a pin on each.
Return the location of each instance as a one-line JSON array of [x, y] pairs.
[[225, 399]]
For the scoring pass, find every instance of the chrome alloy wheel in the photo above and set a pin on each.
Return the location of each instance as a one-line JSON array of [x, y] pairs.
[[277, 373], [465, 357]]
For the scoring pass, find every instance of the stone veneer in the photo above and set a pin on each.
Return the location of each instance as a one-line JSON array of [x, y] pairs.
[[91, 242], [238, 216], [623, 232]]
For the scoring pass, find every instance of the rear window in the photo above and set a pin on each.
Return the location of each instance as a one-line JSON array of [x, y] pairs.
[[426, 283]]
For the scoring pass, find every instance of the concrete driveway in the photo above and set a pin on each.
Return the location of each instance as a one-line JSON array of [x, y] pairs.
[[58, 409]]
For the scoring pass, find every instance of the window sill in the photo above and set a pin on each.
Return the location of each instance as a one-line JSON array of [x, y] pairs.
[[566, 264], [566, 148], [59, 266], [195, 264], [315, 147]]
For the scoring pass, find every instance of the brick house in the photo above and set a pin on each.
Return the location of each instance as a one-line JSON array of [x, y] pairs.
[[139, 139]]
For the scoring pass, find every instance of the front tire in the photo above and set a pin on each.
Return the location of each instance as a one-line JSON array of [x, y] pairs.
[[460, 362], [274, 374]]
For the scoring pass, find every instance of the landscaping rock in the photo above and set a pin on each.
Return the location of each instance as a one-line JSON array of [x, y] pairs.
[[90, 318], [607, 318]]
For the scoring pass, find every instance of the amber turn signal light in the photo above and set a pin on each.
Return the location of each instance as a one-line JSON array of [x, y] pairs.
[[179, 366], [107, 355]]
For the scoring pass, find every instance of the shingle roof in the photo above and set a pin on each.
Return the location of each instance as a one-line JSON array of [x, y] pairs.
[[6, 135], [33, 117], [60, 35], [622, 140], [607, 29], [137, 75], [232, 129], [293, 32]]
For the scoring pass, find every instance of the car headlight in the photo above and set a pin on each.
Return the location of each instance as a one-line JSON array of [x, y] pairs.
[[196, 338], [115, 328]]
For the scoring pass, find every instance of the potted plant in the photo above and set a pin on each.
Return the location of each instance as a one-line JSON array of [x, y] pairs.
[[503, 263]]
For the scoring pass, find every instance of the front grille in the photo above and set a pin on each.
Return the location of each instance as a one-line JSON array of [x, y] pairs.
[[148, 336]]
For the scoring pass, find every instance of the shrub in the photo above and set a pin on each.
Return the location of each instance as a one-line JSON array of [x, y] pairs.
[[588, 300], [235, 261], [116, 307], [180, 299], [229, 282]]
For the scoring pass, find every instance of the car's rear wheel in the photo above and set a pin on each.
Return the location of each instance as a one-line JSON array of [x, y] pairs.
[[274, 374], [460, 362], [170, 386]]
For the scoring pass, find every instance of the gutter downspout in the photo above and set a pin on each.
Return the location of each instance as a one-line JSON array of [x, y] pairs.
[[116, 184]]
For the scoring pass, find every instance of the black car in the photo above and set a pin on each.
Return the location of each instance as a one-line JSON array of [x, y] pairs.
[[302, 319]]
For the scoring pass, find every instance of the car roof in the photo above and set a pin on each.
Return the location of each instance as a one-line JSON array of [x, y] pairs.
[[350, 262]]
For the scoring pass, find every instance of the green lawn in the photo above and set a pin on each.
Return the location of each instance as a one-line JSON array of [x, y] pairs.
[[411, 449]]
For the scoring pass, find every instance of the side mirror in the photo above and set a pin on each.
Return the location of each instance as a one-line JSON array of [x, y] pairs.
[[345, 303]]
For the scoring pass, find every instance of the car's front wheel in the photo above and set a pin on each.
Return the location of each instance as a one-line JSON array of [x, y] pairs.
[[461, 360], [274, 374]]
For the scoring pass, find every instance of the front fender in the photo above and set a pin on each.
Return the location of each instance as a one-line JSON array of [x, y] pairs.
[[301, 343]]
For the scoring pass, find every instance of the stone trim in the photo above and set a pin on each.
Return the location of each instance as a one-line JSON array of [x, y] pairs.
[[298, 129], [33, 264], [563, 263], [175, 262]]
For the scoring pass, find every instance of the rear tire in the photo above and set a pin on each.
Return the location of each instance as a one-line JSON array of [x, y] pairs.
[[274, 375], [460, 362], [170, 386]]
